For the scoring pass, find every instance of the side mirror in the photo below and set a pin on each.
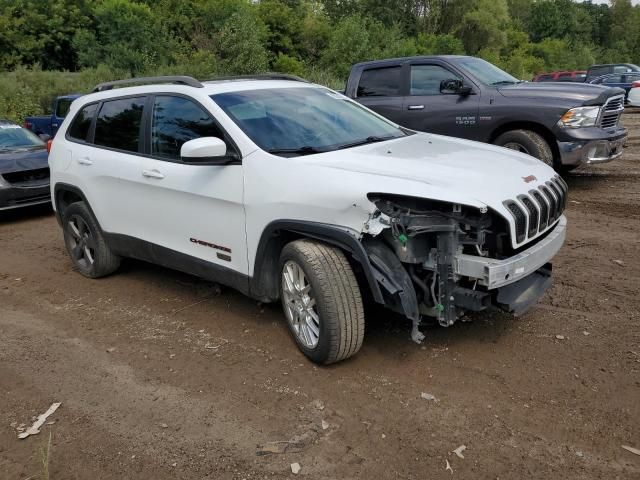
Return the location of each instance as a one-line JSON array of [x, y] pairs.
[[205, 151], [44, 137], [455, 86]]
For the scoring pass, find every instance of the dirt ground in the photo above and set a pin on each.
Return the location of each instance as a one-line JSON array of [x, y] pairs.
[[162, 375]]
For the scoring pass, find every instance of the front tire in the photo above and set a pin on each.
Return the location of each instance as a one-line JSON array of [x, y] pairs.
[[85, 244], [321, 301], [529, 142]]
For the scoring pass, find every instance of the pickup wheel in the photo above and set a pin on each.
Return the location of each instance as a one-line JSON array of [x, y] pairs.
[[528, 142], [85, 244], [321, 300]]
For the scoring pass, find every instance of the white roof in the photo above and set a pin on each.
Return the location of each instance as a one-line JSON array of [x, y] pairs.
[[210, 88]]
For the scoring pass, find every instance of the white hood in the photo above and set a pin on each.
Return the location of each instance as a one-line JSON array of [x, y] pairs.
[[462, 171]]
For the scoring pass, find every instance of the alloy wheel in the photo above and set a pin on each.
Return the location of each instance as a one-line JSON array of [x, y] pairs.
[[300, 305], [82, 245]]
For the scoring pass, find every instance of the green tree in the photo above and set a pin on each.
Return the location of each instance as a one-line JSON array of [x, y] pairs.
[[241, 47], [127, 36], [483, 28]]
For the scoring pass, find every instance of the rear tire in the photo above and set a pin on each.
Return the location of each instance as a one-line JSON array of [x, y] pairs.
[[321, 300], [529, 142], [85, 244]]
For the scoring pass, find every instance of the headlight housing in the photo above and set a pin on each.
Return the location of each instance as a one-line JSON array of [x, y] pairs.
[[580, 117]]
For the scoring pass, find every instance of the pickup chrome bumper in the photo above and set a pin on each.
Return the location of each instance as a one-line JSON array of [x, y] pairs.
[[493, 273], [590, 152]]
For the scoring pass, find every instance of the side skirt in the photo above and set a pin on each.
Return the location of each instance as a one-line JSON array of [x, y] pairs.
[[132, 247]]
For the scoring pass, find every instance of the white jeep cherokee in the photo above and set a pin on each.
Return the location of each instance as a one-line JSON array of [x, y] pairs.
[[287, 190]]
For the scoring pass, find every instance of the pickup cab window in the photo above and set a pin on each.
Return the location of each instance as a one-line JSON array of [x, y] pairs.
[[62, 108], [380, 82], [426, 79]]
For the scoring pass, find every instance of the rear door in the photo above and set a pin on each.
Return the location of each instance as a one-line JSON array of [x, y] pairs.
[[106, 160], [429, 108], [380, 90]]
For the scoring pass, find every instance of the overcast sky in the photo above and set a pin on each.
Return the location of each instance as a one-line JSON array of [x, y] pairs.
[[635, 2]]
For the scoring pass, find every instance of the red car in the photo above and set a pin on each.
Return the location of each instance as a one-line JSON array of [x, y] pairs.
[[566, 76]]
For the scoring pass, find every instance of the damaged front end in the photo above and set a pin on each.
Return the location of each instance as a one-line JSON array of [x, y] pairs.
[[442, 260]]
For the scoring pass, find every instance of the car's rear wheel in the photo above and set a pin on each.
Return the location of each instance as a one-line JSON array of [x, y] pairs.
[[321, 301], [85, 244], [529, 142]]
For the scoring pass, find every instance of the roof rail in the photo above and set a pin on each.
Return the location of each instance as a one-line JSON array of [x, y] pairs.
[[260, 76], [184, 80]]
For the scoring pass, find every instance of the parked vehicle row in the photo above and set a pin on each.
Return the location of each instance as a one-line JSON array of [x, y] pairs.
[[618, 80], [292, 192], [564, 125], [562, 76], [587, 76]]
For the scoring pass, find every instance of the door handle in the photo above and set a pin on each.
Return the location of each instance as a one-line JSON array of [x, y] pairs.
[[152, 174], [54, 125], [84, 161], [415, 107]]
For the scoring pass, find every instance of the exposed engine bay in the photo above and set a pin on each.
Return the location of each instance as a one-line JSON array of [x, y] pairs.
[[414, 244]]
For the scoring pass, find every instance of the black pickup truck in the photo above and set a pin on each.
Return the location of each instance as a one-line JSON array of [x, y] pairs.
[[564, 125]]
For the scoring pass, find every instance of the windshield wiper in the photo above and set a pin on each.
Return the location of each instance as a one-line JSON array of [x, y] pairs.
[[365, 141], [306, 150]]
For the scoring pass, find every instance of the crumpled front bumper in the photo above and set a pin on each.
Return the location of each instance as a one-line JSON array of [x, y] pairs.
[[493, 273]]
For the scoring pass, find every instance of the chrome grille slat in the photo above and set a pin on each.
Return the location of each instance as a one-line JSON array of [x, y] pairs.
[[538, 210], [552, 203], [534, 216], [544, 208], [611, 112]]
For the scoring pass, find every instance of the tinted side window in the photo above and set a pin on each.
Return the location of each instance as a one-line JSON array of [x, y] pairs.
[[82, 122], [118, 124], [545, 78], [379, 82], [612, 79], [177, 120], [621, 69], [425, 79], [596, 72], [63, 107]]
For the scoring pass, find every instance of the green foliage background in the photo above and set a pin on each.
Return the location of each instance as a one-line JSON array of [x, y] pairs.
[[63, 46]]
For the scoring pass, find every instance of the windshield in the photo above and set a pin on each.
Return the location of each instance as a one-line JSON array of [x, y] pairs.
[[14, 136], [486, 72], [302, 121]]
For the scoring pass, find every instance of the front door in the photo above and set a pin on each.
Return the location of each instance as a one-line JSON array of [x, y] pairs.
[[428, 108], [196, 210]]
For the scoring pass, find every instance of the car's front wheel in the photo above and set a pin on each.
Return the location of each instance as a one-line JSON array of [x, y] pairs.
[[85, 244], [321, 300]]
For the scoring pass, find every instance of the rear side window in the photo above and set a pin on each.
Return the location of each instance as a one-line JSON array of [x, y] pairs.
[[545, 78], [380, 82], [81, 124], [621, 69], [177, 120], [118, 124], [426, 79]]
